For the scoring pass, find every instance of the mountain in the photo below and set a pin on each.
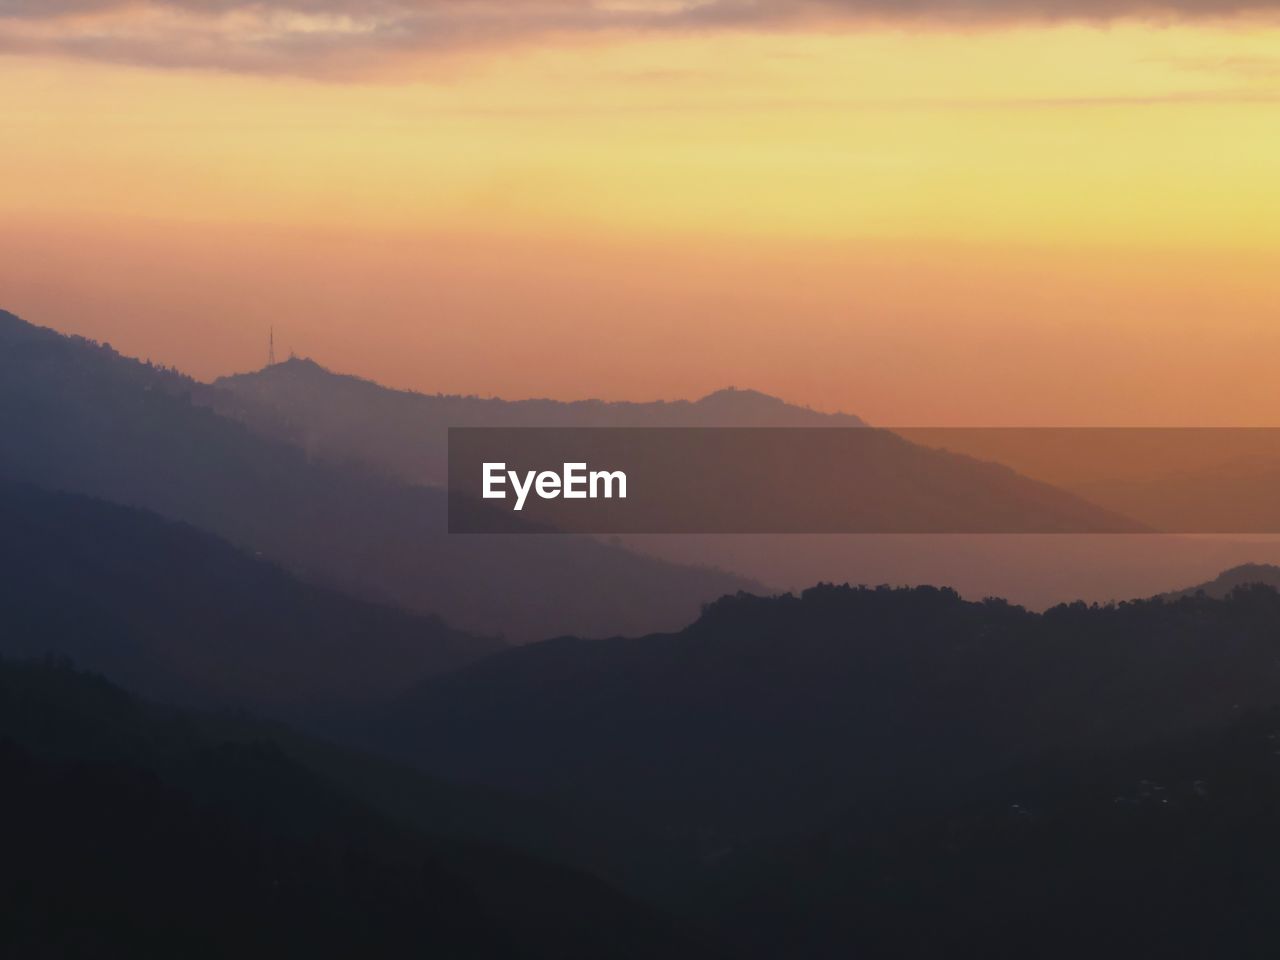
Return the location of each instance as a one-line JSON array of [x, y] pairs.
[[136, 830], [342, 418], [175, 612], [77, 416], [1169, 849], [403, 434], [1224, 583], [872, 479], [770, 715]]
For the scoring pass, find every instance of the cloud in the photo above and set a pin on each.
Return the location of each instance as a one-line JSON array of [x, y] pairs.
[[341, 37]]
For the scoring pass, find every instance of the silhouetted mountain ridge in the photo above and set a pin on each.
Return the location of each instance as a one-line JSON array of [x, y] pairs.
[[1168, 849], [342, 417], [77, 416], [882, 482], [733, 403], [172, 611], [134, 830], [770, 714]]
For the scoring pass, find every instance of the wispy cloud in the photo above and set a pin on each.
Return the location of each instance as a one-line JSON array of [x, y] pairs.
[[326, 37]]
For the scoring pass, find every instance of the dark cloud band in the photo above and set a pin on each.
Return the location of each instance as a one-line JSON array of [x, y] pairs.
[[336, 36], [709, 9]]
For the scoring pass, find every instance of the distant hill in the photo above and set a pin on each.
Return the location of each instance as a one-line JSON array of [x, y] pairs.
[[175, 612], [1222, 585], [77, 416], [770, 714], [135, 830], [891, 482], [341, 417]]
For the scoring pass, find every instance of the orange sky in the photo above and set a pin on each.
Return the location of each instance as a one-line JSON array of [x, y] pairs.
[[924, 222]]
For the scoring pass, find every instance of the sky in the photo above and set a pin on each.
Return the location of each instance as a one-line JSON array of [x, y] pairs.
[[934, 212]]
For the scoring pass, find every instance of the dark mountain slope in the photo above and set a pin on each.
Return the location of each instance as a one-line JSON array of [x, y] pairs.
[[175, 612], [769, 715], [1171, 849], [129, 830], [341, 417], [77, 416]]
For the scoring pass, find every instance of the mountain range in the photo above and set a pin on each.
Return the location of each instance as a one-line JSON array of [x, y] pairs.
[[881, 482], [770, 714], [131, 829], [403, 434], [77, 416], [174, 612], [348, 759], [398, 434]]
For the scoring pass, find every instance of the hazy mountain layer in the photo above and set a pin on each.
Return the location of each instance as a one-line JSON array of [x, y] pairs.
[[77, 416], [882, 483], [404, 434], [173, 611]]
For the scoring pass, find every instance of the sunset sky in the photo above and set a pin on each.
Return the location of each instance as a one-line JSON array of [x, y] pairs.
[[933, 213]]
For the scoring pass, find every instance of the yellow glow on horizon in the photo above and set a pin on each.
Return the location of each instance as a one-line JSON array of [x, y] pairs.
[[1132, 134], [1066, 224]]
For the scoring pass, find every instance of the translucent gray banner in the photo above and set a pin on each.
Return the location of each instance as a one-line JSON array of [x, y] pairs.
[[864, 480]]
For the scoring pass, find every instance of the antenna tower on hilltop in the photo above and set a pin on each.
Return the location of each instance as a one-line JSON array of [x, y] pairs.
[[271, 347]]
